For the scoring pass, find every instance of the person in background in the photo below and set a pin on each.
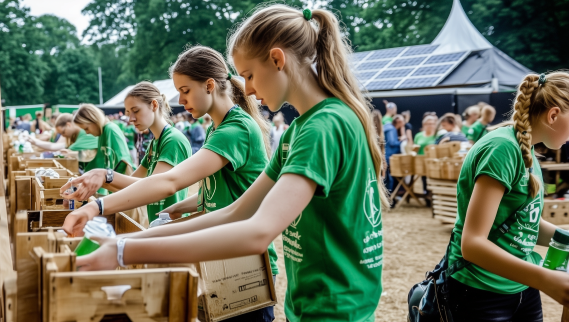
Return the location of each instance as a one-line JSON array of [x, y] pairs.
[[266, 116], [406, 134], [40, 124], [180, 124], [130, 133], [392, 145], [206, 122], [427, 136], [470, 115], [277, 130], [143, 140], [378, 126], [197, 135], [391, 111], [55, 135], [478, 129], [25, 124], [451, 125]]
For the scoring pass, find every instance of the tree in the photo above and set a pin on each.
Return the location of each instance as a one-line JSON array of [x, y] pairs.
[[77, 81]]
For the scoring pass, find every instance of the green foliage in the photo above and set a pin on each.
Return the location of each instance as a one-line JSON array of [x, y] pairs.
[[43, 61]]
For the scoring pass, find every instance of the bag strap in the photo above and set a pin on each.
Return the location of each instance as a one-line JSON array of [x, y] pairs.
[[494, 236]]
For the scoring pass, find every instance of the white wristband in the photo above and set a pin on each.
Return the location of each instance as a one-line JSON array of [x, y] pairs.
[[120, 251], [102, 206]]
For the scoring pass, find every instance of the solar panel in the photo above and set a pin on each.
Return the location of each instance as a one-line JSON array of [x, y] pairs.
[[420, 50], [404, 62], [432, 70], [386, 53], [367, 65], [377, 85], [444, 58], [418, 82], [391, 73], [365, 76]]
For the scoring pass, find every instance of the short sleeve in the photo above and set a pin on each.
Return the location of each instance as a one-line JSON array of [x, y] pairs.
[[145, 163], [172, 151], [231, 141], [316, 151], [498, 159]]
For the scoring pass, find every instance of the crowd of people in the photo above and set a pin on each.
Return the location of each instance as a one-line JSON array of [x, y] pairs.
[[396, 133], [318, 181]]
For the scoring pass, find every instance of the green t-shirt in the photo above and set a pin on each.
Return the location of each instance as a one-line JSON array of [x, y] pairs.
[[130, 135], [465, 129], [238, 139], [476, 131], [334, 248], [498, 156], [111, 149], [387, 119], [173, 149], [120, 124], [423, 141], [84, 141]]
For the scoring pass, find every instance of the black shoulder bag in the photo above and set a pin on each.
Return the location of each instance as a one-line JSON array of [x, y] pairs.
[[428, 300]]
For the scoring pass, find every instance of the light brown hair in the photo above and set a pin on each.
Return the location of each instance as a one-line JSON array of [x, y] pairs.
[[532, 100], [318, 41], [62, 121], [201, 63], [377, 120], [89, 113], [148, 92]]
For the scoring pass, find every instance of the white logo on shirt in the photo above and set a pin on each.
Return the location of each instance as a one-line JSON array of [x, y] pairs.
[[109, 154], [371, 199], [210, 187], [296, 221], [285, 150], [533, 209]]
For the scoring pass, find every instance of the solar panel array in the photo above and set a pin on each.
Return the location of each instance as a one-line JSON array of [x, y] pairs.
[[404, 67]]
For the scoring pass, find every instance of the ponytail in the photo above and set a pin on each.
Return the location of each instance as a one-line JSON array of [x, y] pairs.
[[250, 106], [148, 92]]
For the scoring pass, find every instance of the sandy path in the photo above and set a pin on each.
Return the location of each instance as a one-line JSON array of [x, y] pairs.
[[414, 243]]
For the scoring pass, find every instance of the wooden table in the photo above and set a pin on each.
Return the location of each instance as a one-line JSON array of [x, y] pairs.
[[408, 190]]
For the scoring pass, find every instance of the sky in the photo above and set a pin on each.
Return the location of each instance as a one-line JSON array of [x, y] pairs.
[[68, 9]]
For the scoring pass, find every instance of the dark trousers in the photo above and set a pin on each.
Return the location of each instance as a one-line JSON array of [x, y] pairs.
[[471, 304], [265, 314]]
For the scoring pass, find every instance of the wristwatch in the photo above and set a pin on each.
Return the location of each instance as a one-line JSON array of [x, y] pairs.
[[110, 176]]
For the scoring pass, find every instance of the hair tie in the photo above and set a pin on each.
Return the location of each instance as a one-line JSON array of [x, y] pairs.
[[307, 14], [229, 76], [542, 80], [530, 170], [524, 132]]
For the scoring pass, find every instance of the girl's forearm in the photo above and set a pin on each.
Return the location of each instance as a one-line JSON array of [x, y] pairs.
[[491, 257], [546, 231], [120, 181], [49, 145], [239, 239]]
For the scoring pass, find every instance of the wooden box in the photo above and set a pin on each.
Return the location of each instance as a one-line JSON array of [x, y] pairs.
[[401, 165], [452, 169], [431, 151], [442, 151], [433, 168], [420, 166], [46, 195], [556, 211]]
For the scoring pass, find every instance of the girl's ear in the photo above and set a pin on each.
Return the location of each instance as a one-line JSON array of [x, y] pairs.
[[278, 58], [209, 85], [553, 114], [154, 105]]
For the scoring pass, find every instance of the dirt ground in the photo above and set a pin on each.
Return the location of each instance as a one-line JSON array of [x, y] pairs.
[[414, 243]]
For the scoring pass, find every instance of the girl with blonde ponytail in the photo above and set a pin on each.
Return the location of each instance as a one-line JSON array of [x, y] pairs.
[[148, 109], [500, 200], [235, 152]]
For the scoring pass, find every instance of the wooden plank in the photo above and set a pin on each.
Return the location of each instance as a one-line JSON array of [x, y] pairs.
[[23, 193], [445, 208], [444, 198], [439, 182], [124, 224], [178, 307], [10, 295], [445, 203], [70, 164], [444, 213], [193, 296], [442, 191], [51, 263]]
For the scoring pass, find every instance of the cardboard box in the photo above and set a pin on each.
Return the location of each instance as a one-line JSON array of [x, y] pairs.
[[233, 287]]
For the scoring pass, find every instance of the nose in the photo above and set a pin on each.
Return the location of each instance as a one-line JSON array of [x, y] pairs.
[[131, 119], [181, 101], [249, 90]]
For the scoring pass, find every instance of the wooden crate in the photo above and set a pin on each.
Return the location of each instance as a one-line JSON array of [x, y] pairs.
[[35, 229], [46, 195], [420, 165], [431, 151], [444, 199], [433, 168], [556, 211], [401, 165], [451, 169]]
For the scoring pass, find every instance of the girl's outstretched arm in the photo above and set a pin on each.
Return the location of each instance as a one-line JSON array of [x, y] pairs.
[[242, 238]]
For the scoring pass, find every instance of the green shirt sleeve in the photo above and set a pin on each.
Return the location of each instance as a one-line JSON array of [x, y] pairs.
[[84, 141], [496, 160], [315, 152], [230, 140], [174, 149], [475, 132]]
